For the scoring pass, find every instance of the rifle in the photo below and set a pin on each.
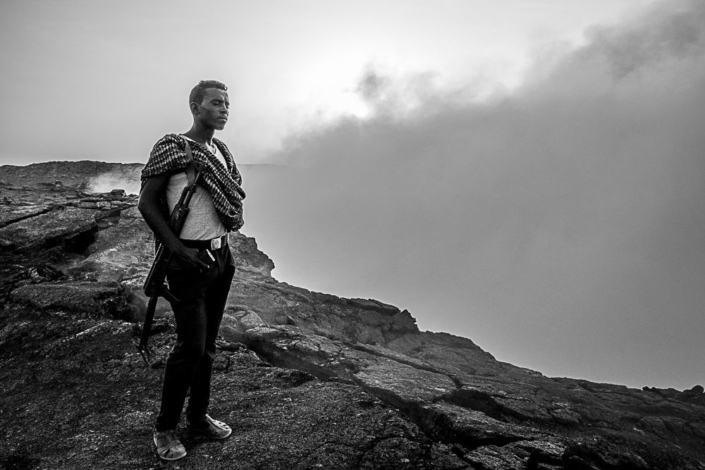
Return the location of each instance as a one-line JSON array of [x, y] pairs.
[[155, 285]]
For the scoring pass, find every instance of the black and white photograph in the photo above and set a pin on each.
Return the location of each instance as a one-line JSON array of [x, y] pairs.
[[337, 234]]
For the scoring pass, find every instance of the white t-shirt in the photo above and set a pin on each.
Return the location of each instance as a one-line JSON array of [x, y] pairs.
[[202, 222]]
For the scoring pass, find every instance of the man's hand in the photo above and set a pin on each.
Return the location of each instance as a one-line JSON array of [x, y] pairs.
[[188, 258]]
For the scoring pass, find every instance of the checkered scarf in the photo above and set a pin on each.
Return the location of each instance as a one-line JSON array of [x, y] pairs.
[[223, 184]]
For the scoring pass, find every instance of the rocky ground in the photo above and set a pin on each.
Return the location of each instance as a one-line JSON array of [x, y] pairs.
[[307, 380]]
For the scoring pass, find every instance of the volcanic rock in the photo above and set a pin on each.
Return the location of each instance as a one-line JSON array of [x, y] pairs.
[[307, 379]]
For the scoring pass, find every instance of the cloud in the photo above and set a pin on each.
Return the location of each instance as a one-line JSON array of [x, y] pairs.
[[559, 226], [398, 97]]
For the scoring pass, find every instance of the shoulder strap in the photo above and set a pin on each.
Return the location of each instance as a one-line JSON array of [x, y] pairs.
[[190, 169]]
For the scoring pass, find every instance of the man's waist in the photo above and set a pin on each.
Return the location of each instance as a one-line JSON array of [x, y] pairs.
[[212, 244]]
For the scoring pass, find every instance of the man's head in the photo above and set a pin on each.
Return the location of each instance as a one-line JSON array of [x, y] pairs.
[[209, 104], [199, 91]]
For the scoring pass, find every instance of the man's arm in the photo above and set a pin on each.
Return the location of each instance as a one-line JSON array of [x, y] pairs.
[[150, 209]]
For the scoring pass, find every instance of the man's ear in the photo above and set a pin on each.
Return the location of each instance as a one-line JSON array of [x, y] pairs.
[[195, 109]]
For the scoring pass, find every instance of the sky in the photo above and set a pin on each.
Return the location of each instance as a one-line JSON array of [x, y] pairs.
[[527, 174]]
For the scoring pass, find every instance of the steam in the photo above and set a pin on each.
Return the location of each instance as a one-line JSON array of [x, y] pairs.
[[106, 182], [559, 226]]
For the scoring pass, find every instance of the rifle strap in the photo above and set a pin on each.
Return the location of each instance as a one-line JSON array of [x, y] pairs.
[[190, 169]]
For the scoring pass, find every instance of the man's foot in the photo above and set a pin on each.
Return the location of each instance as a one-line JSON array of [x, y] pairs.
[[168, 445], [211, 428]]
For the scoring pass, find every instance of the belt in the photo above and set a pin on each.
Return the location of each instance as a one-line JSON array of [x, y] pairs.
[[213, 244]]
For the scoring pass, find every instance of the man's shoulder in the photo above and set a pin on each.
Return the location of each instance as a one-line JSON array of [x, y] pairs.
[[170, 139], [169, 145], [167, 156]]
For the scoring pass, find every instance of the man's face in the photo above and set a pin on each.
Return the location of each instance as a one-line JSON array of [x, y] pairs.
[[214, 109]]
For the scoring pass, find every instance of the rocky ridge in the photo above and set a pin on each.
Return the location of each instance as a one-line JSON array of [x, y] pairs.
[[309, 380]]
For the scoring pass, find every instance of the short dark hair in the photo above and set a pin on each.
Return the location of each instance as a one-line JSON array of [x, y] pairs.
[[199, 91]]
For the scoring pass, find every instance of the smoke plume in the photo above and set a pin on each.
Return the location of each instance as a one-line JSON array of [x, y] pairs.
[[561, 226]]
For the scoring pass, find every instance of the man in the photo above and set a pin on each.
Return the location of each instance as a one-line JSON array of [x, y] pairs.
[[201, 268]]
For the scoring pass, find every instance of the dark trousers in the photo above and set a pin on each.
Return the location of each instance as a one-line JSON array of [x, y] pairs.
[[198, 313]]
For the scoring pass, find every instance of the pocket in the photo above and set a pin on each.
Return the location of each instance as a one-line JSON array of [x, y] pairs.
[[207, 257], [204, 255], [230, 265]]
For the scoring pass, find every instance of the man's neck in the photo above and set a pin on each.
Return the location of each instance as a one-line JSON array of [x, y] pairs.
[[200, 134]]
